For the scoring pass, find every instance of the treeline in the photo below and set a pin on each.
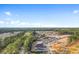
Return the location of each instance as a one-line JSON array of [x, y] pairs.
[[74, 37], [70, 31], [12, 45], [74, 32]]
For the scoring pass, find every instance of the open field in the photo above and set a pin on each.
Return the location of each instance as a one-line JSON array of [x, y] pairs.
[[39, 40]]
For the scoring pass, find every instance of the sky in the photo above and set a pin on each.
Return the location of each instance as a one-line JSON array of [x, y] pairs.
[[39, 15]]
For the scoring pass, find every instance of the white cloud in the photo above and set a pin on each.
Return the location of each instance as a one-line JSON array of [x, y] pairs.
[[76, 11], [18, 23], [8, 13], [1, 22], [14, 22]]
